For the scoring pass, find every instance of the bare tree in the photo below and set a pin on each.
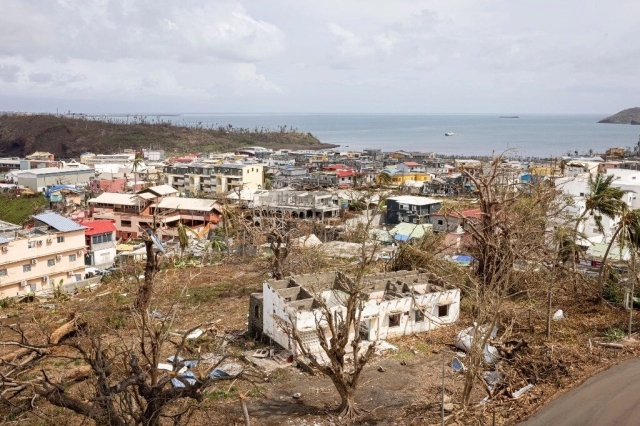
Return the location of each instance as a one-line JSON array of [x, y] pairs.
[[117, 380], [512, 231], [277, 229], [337, 327]]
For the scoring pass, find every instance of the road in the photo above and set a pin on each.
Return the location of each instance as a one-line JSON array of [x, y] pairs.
[[606, 399]]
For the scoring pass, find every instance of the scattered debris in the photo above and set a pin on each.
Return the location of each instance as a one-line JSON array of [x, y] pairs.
[[164, 366], [195, 333], [517, 394], [611, 345], [558, 315], [403, 362], [261, 353], [188, 377], [492, 378], [228, 370], [380, 369], [464, 339], [296, 395], [158, 315], [458, 366]]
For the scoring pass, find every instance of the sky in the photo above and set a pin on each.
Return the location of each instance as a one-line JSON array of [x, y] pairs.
[[319, 56]]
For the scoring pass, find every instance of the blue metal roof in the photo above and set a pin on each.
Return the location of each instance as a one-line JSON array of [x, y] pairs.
[[53, 189], [58, 222], [4, 240]]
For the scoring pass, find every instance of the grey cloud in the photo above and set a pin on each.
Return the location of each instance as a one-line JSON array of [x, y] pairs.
[[40, 77], [9, 73], [189, 31]]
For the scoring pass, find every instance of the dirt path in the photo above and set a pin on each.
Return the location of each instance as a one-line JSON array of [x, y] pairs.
[[606, 399]]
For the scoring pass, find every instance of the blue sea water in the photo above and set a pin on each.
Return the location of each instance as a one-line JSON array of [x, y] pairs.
[[474, 134]]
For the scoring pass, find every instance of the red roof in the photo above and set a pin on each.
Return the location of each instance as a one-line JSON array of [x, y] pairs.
[[95, 227], [411, 164], [344, 173]]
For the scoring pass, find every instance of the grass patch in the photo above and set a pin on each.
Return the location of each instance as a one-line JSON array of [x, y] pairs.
[[18, 209], [216, 395]]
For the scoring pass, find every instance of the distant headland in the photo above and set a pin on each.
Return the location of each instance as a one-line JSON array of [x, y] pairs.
[[626, 116], [70, 136]]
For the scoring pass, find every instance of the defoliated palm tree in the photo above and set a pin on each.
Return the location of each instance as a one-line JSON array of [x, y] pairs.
[[383, 178], [627, 234], [137, 162], [183, 238]]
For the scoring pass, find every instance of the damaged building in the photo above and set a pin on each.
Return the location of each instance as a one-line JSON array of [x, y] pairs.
[[317, 205], [398, 304]]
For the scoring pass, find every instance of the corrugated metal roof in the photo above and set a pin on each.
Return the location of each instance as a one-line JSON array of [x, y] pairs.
[[195, 204], [4, 240], [115, 198], [160, 190], [58, 222], [95, 227]]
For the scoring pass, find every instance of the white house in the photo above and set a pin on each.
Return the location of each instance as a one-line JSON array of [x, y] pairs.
[[398, 303]]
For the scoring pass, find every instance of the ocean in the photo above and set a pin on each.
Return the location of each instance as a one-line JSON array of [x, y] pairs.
[[530, 135]]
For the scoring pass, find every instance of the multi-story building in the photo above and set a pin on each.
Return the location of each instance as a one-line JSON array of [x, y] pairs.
[[411, 209], [155, 207], [100, 240], [201, 178], [35, 258], [300, 204]]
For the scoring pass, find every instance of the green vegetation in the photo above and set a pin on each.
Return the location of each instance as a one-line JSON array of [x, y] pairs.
[[627, 116], [614, 334], [67, 137], [18, 209]]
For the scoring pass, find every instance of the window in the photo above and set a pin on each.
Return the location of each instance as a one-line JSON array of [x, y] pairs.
[[99, 239], [394, 320], [440, 222], [61, 238], [51, 262], [418, 316], [3, 272], [126, 223], [256, 311], [26, 268], [443, 310], [31, 244], [72, 258]]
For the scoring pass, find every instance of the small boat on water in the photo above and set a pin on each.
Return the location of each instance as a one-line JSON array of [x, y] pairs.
[[449, 134]]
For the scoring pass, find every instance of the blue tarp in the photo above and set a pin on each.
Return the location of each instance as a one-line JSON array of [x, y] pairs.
[[53, 189]]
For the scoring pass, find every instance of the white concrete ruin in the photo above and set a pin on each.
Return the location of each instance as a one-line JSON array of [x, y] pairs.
[[398, 304]]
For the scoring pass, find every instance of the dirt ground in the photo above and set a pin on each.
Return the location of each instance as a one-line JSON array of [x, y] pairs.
[[408, 392]]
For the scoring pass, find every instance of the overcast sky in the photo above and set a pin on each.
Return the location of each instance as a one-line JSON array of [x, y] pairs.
[[400, 56]]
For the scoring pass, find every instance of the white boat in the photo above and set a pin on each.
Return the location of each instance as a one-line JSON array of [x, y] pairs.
[[449, 134]]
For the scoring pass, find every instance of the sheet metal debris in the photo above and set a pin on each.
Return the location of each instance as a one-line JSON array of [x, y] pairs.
[[517, 394]]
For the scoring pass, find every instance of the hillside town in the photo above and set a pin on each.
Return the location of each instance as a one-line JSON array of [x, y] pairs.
[[385, 241]]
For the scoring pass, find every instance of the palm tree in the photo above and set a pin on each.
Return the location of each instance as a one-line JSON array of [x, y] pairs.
[[627, 233], [383, 178], [137, 162], [603, 200], [183, 238]]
